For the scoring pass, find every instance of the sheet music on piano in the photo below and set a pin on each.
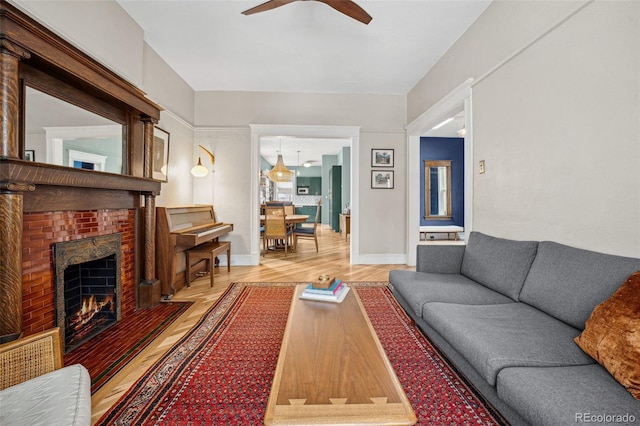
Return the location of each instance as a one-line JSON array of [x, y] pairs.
[[179, 229]]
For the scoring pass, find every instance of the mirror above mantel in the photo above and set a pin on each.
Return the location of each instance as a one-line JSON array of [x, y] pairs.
[[60, 133], [437, 189]]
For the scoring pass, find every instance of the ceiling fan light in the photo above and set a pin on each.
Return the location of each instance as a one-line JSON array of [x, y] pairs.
[[307, 164]]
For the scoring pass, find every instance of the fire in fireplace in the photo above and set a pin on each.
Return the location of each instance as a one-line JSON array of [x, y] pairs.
[[90, 293], [87, 281]]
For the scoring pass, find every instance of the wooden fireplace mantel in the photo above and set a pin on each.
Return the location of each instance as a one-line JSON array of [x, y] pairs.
[[32, 54]]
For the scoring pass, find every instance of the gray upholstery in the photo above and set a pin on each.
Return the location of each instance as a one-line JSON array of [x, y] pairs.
[[62, 397], [506, 315], [569, 283], [562, 395], [439, 259], [493, 337], [487, 391], [420, 288], [498, 263]]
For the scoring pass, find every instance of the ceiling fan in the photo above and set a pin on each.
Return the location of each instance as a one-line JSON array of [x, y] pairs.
[[347, 7]]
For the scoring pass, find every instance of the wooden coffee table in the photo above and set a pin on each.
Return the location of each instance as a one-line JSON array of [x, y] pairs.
[[332, 369]]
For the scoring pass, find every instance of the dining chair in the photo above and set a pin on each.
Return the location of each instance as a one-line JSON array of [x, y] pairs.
[[308, 232], [275, 228]]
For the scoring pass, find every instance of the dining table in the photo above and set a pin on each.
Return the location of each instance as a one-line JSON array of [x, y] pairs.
[[291, 218]]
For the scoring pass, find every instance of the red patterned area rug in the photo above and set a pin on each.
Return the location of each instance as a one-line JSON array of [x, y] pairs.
[[112, 349], [221, 371]]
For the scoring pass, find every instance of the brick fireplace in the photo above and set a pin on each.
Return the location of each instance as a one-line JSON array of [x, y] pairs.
[[87, 287], [41, 231]]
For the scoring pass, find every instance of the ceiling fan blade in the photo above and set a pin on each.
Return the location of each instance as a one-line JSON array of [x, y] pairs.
[[271, 4], [350, 9]]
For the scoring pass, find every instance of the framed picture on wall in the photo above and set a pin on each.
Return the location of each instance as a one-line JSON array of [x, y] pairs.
[[30, 155], [382, 158], [381, 179], [160, 154]]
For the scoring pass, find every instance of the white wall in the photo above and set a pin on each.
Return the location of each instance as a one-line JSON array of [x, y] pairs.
[[557, 123], [503, 28], [381, 118], [165, 87], [382, 213], [170, 91], [228, 188], [242, 108]]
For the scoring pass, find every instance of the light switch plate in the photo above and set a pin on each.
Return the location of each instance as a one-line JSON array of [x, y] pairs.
[[481, 166]]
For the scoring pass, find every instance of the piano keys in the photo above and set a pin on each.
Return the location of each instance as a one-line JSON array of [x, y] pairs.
[[179, 229]]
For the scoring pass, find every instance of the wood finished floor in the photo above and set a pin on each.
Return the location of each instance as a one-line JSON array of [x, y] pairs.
[[303, 265]]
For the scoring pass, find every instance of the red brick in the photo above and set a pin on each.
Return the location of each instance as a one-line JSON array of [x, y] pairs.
[[41, 230]]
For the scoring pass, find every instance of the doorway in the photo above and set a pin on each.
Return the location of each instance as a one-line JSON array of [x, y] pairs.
[[457, 100], [258, 132]]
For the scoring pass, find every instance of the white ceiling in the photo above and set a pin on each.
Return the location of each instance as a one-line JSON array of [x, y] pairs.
[[305, 46]]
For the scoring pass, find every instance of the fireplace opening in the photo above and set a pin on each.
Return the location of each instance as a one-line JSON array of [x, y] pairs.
[[88, 288], [90, 299]]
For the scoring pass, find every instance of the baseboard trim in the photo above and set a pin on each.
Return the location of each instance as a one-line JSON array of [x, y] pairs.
[[237, 260], [382, 259]]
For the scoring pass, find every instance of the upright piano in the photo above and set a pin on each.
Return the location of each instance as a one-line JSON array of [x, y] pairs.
[[179, 229]]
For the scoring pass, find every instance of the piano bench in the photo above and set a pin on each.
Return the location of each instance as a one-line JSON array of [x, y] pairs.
[[208, 251]]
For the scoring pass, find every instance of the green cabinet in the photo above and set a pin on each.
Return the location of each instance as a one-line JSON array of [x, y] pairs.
[[303, 181], [315, 186], [313, 183]]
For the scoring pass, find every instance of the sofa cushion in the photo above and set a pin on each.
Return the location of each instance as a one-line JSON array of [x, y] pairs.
[[439, 259], [498, 263], [418, 288], [62, 397], [568, 283], [493, 337], [567, 395], [612, 335]]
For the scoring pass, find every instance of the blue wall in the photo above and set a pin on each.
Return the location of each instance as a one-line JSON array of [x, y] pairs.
[[445, 149]]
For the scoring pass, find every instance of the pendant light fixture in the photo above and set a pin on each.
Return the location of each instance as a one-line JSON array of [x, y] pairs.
[[280, 173]]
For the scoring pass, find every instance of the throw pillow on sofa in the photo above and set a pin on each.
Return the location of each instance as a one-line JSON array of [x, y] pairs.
[[612, 335]]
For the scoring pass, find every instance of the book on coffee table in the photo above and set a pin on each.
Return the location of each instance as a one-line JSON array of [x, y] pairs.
[[335, 298]]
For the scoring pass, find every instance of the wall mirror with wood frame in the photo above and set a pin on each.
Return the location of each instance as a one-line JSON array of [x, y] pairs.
[[437, 189], [58, 132]]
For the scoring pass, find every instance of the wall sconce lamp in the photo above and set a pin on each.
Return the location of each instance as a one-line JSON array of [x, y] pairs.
[[199, 170]]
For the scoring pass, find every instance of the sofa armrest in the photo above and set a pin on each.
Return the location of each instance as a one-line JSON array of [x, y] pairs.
[[438, 259], [29, 357]]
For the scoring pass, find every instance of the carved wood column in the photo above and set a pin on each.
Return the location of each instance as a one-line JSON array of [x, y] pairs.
[[149, 293], [11, 198]]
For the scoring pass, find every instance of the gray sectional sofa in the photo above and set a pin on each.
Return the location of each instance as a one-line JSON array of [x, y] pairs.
[[506, 312]]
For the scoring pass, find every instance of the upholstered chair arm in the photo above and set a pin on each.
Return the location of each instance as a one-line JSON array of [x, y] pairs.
[[29, 357]]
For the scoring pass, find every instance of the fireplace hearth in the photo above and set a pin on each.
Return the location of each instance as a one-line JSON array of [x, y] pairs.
[[87, 287]]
